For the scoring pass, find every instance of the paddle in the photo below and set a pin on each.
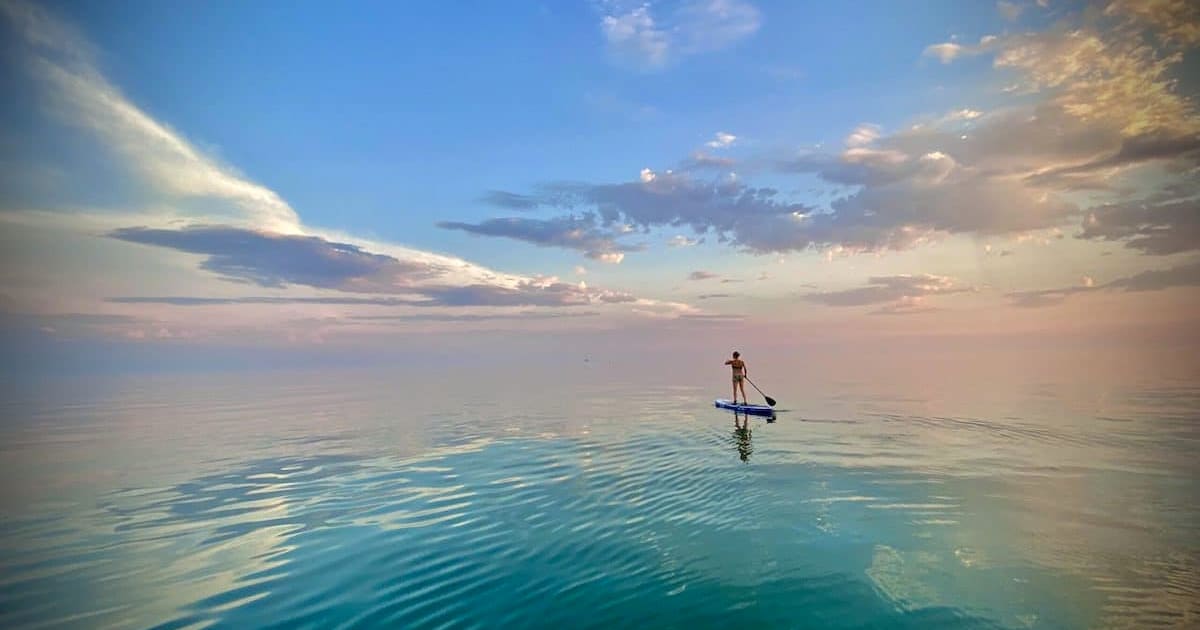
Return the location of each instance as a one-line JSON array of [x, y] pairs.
[[770, 401]]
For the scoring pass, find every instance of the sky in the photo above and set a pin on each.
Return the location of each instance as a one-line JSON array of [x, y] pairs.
[[226, 179]]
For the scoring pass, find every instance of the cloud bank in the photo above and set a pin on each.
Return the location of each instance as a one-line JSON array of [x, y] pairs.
[[1095, 111], [278, 261], [223, 225]]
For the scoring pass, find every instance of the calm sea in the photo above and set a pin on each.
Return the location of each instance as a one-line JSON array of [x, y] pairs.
[[353, 498]]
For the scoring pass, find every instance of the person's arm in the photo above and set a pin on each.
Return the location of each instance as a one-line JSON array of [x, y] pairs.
[[728, 361]]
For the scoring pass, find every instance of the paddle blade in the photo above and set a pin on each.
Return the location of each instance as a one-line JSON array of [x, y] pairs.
[[770, 401]]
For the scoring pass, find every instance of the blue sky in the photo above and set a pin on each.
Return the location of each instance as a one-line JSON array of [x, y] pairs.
[[377, 119], [739, 163]]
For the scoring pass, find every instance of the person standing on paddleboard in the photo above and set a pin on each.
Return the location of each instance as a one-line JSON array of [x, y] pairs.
[[739, 377]]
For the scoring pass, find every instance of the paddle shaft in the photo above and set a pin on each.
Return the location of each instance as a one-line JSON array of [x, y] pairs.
[[770, 401]]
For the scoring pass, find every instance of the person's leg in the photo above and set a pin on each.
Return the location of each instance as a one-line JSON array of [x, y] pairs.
[[742, 384], [735, 384]]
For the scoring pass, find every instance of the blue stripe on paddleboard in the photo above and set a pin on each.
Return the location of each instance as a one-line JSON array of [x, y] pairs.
[[754, 409]]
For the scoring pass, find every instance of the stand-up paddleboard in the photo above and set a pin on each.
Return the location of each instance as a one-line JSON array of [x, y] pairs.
[[757, 410]]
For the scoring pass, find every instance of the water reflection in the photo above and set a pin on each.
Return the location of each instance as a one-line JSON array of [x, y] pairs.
[[741, 434], [322, 506]]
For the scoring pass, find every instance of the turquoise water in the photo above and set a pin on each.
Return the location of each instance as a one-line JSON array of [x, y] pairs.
[[348, 499]]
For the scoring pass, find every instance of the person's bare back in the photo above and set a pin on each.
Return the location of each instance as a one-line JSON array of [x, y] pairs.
[[739, 376]]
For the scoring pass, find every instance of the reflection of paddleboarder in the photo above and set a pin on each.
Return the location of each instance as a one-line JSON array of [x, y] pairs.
[[741, 433], [739, 376]]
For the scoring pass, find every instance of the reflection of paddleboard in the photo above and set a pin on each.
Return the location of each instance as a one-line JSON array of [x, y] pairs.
[[758, 410]]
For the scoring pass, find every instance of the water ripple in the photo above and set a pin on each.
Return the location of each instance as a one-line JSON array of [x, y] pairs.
[[313, 508]]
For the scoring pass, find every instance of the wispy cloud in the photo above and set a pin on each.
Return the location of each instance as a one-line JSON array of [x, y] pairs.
[[509, 200], [469, 317], [711, 317], [1094, 103], [1185, 275], [1097, 104], [721, 140], [908, 305], [652, 36], [1013, 170], [246, 232], [64, 324], [635, 36], [1005, 172], [946, 52], [904, 293], [863, 135], [165, 160], [1157, 147], [1170, 227], [188, 300], [1175, 21], [1109, 79], [1009, 10], [277, 261], [753, 217], [580, 233], [700, 160], [702, 275], [902, 200], [546, 293], [680, 240]]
